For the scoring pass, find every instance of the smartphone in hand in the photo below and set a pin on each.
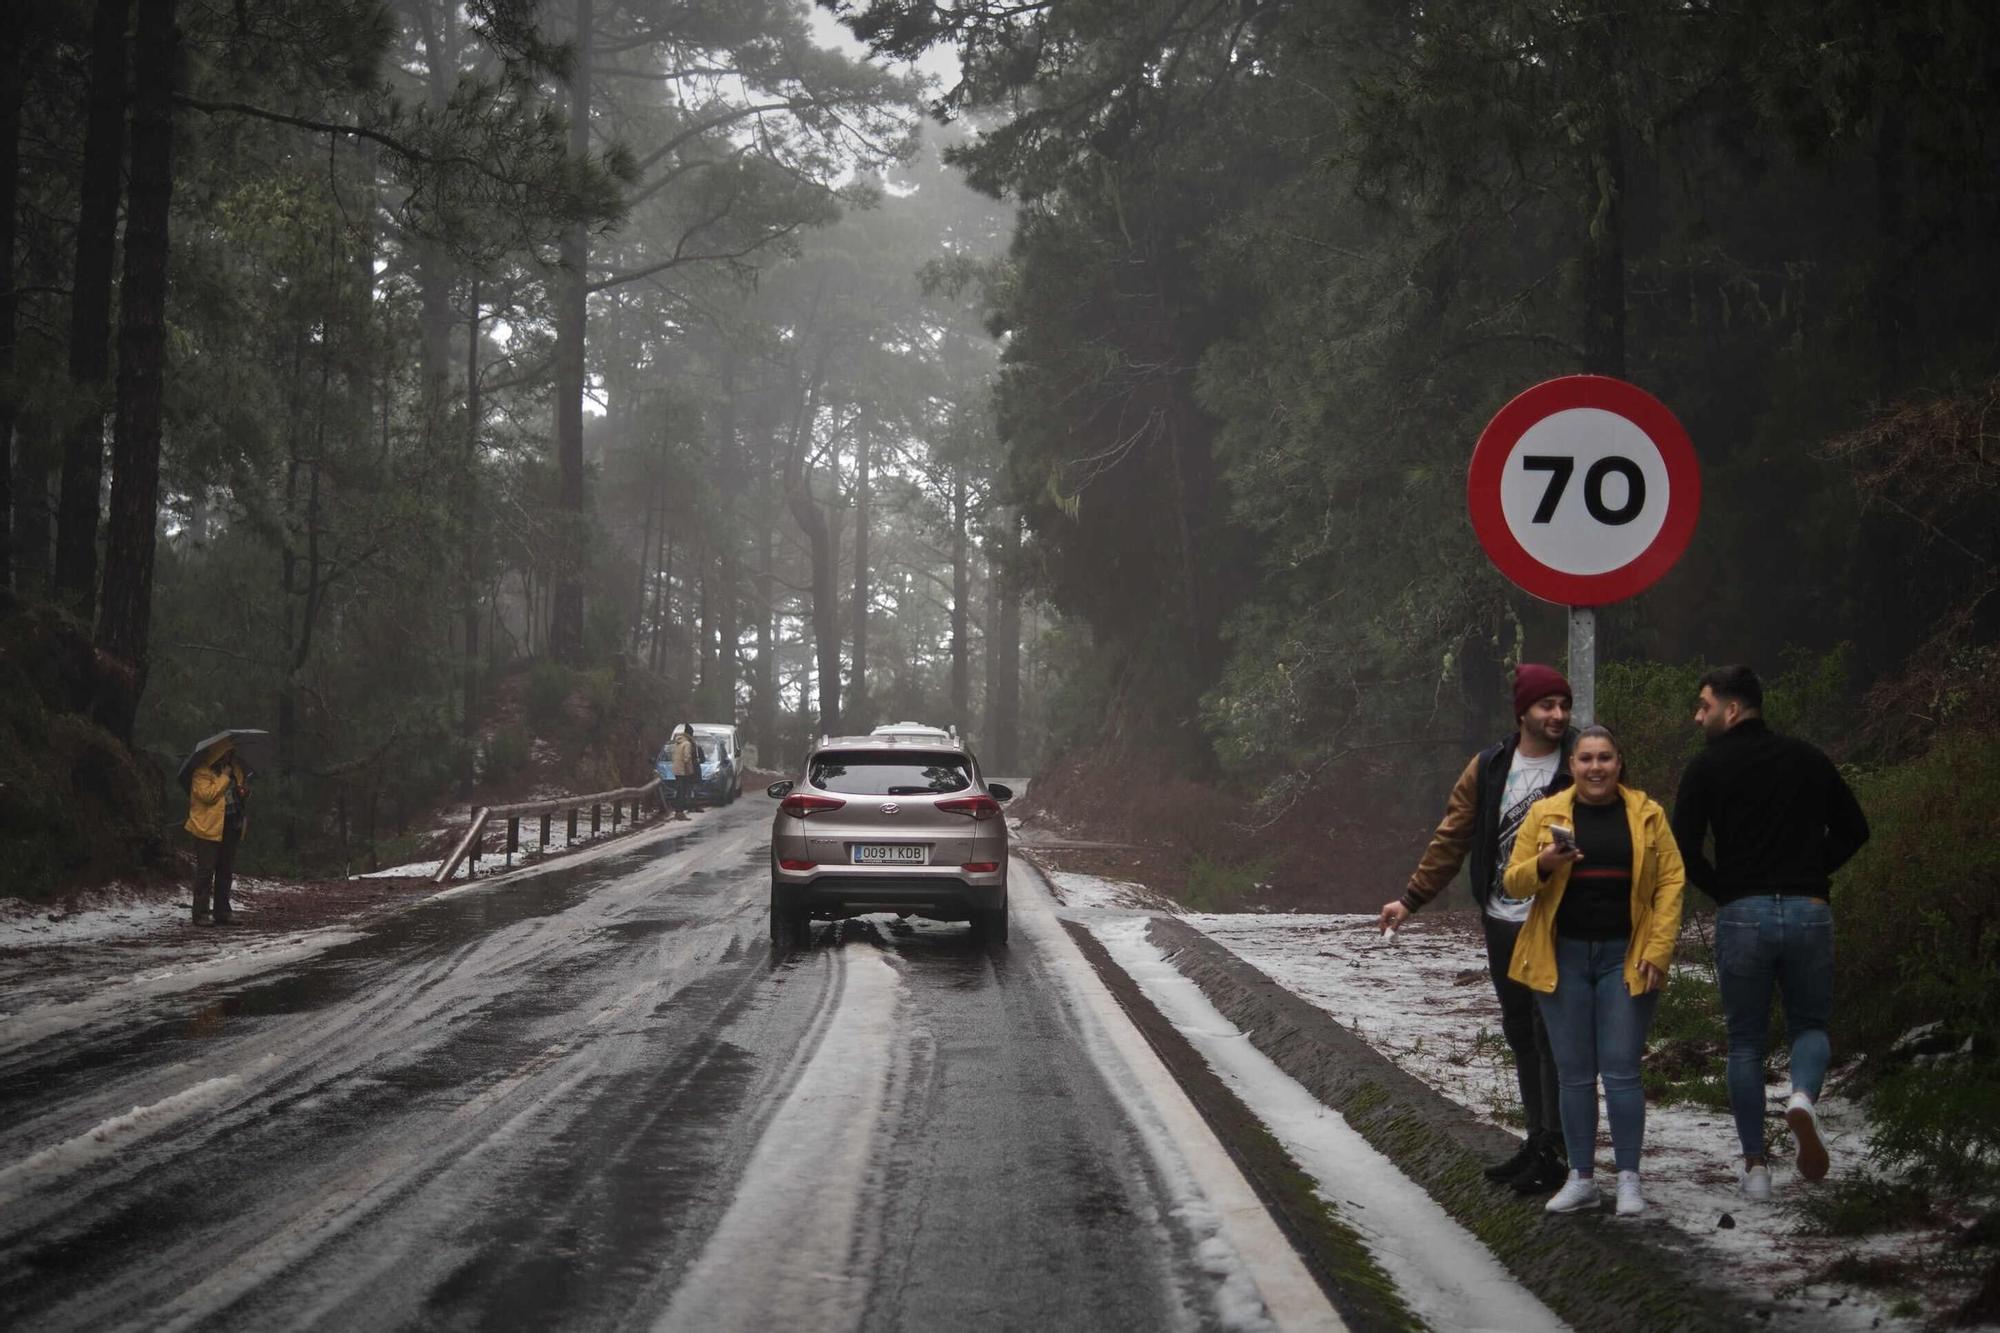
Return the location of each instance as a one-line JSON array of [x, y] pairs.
[[1564, 840]]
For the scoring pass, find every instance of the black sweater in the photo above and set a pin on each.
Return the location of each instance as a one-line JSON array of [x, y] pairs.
[[1784, 820]]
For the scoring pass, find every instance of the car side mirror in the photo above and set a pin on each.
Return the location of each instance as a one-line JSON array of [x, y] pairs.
[[778, 791], [1000, 791]]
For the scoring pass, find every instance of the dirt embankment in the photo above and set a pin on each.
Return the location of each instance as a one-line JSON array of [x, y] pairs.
[[1347, 843]]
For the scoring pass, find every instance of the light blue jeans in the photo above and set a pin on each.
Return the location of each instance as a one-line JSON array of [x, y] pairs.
[[1597, 1029], [1766, 944]]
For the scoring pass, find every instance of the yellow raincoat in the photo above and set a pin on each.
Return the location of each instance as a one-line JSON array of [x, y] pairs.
[[207, 799], [1658, 881]]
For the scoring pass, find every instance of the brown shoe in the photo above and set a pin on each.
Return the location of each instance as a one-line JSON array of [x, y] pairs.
[[203, 919]]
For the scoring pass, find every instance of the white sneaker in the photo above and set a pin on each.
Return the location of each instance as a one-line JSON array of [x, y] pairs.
[[1755, 1182], [1804, 1122], [1629, 1202], [1577, 1194]]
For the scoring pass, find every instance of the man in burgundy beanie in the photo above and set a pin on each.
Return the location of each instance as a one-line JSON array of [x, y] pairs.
[[1481, 818]]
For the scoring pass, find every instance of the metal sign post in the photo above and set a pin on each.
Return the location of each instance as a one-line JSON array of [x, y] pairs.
[[1583, 665], [1584, 491]]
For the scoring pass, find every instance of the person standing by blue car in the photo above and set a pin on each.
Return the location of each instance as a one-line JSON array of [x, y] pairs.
[[686, 763], [1784, 821]]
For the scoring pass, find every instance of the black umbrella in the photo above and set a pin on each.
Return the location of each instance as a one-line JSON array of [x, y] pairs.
[[254, 748]]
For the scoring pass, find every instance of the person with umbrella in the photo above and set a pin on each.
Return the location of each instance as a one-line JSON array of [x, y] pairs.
[[217, 777]]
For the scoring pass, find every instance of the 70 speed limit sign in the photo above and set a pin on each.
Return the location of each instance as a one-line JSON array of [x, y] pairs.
[[1584, 490]]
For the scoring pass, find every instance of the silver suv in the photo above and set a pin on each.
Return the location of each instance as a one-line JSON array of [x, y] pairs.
[[884, 824]]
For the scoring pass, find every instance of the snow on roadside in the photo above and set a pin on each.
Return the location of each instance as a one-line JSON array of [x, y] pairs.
[[1444, 1274], [1077, 890], [1426, 1002], [95, 915]]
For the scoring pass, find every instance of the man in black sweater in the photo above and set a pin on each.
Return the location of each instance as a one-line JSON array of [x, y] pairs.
[[1784, 820]]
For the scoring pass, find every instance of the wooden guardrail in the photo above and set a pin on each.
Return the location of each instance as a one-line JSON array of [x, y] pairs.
[[466, 850]]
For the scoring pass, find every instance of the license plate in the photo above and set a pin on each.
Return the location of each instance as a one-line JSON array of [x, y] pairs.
[[892, 854]]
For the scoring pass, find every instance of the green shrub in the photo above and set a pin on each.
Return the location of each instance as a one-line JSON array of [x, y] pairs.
[[506, 755], [547, 691], [1220, 886], [1917, 912], [1862, 1204], [600, 699], [1650, 705], [1940, 1121]]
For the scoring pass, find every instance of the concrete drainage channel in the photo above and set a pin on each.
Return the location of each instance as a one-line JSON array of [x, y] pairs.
[[1592, 1271]]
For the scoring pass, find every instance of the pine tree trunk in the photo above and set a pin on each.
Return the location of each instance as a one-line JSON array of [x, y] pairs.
[[961, 592], [1604, 314], [572, 302], [1003, 680], [704, 624], [124, 623], [857, 699], [31, 503], [13, 84], [434, 264], [642, 603], [729, 565], [90, 311], [764, 688], [468, 550]]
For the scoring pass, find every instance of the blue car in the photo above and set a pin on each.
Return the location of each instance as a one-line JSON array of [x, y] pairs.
[[721, 764]]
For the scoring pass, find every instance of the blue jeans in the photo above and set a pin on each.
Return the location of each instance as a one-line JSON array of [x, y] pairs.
[[1762, 944], [1598, 1030]]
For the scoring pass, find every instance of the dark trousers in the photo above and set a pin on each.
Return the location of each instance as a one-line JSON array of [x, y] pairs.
[[684, 792], [1521, 1023], [214, 871]]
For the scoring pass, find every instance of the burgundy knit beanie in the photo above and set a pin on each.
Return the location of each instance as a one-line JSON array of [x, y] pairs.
[[1534, 681]]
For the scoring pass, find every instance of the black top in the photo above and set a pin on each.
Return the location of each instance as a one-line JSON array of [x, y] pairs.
[[1597, 904], [1484, 857], [1784, 820]]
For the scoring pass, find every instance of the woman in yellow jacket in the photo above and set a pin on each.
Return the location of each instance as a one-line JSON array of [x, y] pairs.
[[216, 796], [1606, 878]]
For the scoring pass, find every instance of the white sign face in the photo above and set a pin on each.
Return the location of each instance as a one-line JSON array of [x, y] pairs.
[[1585, 491]]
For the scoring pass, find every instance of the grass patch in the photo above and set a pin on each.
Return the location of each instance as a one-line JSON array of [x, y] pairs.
[[1873, 1271], [1220, 886], [1687, 1048], [546, 692], [1941, 1121], [1863, 1205], [506, 754]]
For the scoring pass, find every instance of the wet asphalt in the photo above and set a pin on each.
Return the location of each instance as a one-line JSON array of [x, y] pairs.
[[563, 1101]]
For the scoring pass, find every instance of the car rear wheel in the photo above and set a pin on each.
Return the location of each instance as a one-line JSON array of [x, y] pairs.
[[989, 925], [791, 921]]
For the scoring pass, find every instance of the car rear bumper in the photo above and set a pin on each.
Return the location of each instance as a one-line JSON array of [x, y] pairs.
[[869, 889]]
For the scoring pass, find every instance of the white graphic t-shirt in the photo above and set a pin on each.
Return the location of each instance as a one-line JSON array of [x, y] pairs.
[[1527, 782]]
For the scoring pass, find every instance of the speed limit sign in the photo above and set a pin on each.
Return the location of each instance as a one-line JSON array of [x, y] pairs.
[[1584, 490]]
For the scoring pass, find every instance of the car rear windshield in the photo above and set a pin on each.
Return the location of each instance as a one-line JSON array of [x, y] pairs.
[[879, 773]]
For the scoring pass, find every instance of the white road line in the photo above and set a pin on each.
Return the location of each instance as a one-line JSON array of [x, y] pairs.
[[785, 1254], [1445, 1274], [1290, 1296]]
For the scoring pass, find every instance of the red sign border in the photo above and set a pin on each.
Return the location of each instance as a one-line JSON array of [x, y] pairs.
[[1489, 462]]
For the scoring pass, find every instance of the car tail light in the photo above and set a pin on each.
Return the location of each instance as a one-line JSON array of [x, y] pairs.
[[799, 806], [981, 867], [784, 864], [979, 807]]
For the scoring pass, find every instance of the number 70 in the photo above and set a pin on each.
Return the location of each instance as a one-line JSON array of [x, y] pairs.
[[1561, 468]]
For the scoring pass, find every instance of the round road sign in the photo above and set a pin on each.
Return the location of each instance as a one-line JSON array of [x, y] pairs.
[[1584, 490]]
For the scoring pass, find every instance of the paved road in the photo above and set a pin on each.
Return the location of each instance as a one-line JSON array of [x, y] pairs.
[[592, 1098]]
